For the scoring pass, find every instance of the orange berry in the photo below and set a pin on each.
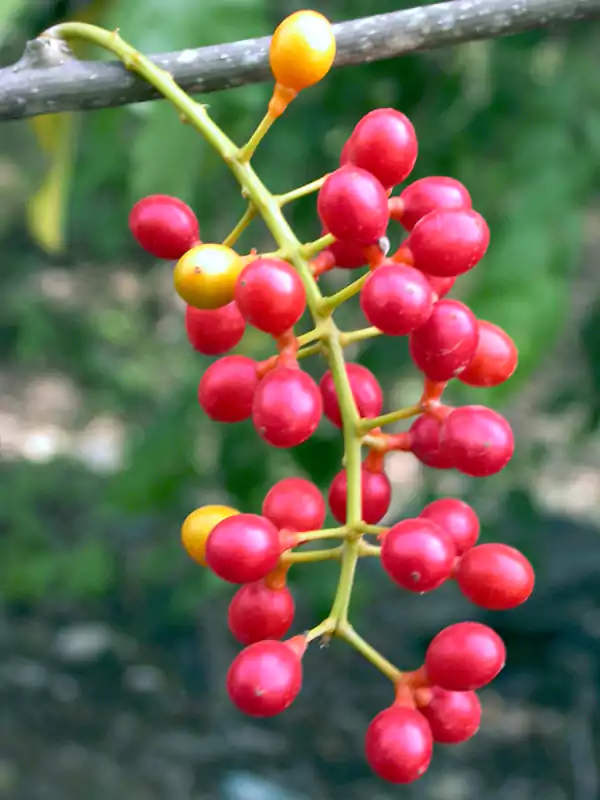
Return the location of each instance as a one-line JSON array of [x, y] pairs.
[[198, 526], [205, 276], [302, 50]]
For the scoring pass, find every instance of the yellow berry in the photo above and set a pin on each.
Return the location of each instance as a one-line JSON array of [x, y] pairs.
[[205, 276], [302, 50], [198, 526]]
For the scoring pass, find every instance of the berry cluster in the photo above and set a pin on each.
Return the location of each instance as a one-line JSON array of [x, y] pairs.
[[402, 294]]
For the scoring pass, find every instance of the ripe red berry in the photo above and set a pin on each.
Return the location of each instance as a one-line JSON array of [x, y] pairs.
[[270, 295], [384, 143], [227, 389], [464, 657], [376, 496], [495, 358], [257, 612], [345, 154], [453, 717], [479, 441], [418, 555], [287, 407], [441, 286], [397, 299], [347, 255], [457, 518], [295, 504], [425, 443], [215, 331], [448, 243], [444, 345], [430, 194], [243, 548], [495, 576], [399, 745], [265, 678], [353, 206], [366, 391], [164, 226]]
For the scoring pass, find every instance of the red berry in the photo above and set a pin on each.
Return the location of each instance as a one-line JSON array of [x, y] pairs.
[[347, 255], [257, 612], [365, 390], [431, 194], [464, 656], [396, 299], [457, 518], [243, 548], [399, 745], [448, 243], [295, 504], [445, 344], [270, 295], [441, 286], [264, 679], [164, 226], [384, 143], [345, 154], [425, 443], [495, 358], [353, 205], [495, 576], [478, 440], [216, 331], [287, 407], [418, 555], [227, 389], [453, 717], [376, 496]]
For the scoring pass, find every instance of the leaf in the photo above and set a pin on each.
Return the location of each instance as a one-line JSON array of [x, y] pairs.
[[9, 12]]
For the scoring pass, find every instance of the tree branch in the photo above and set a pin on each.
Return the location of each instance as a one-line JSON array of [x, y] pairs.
[[47, 80]]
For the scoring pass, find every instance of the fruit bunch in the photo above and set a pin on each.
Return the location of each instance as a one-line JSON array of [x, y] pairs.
[[401, 294]]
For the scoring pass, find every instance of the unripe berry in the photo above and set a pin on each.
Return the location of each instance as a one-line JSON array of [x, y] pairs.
[[302, 50], [495, 576], [417, 554], [243, 548], [227, 389], [270, 295], [433, 193], [479, 441], [453, 717], [198, 526], [287, 407], [214, 332], [399, 745], [295, 504], [448, 243], [257, 612], [457, 518], [495, 358], [353, 206], [376, 496], [426, 445], [397, 299], [164, 226], [366, 391], [205, 276], [464, 657], [444, 345]]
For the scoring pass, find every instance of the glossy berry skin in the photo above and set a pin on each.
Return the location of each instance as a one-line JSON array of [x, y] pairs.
[[227, 389], [206, 275], [376, 496], [448, 243], [444, 345], [397, 299], [464, 657], [302, 50], [479, 441], [417, 555], [353, 206], [198, 526], [295, 504], [433, 193], [495, 576], [257, 612], [440, 286], [384, 143], [264, 679], [495, 358], [399, 745], [458, 520], [347, 255], [453, 717], [270, 295], [426, 445], [366, 391], [287, 407], [214, 332], [164, 226], [243, 548]]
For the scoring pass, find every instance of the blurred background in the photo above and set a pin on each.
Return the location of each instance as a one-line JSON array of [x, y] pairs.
[[113, 644]]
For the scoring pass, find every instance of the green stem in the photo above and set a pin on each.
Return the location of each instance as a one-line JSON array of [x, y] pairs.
[[312, 555], [235, 234], [326, 533], [301, 191], [247, 151], [369, 550], [311, 249], [311, 350], [348, 634], [359, 335], [328, 304], [374, 529], [366, 425]]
